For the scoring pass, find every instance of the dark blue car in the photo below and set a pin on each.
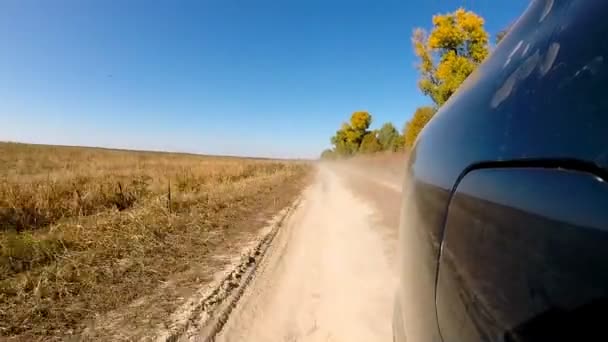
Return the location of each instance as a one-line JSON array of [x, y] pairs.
[[504, 233]]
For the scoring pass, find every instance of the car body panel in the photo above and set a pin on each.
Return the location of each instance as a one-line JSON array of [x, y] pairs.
[[524, 256], [537, 101]]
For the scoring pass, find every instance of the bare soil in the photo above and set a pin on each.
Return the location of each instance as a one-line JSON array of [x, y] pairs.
[[330, 274]]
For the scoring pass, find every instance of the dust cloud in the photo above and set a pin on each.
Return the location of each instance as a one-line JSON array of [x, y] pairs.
[[330, 274]]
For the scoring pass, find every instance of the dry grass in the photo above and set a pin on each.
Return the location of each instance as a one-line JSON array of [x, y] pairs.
[[84, 231]]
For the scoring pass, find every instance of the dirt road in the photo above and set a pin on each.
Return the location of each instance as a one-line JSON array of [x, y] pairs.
[[330, 273]]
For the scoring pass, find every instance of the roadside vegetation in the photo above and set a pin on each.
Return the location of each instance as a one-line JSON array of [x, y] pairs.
[[455, 46], [85, 231]]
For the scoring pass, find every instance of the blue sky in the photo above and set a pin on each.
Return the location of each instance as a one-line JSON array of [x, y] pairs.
[[259, 78]]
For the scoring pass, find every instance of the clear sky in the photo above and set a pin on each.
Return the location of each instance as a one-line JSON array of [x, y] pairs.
[[258, 78]]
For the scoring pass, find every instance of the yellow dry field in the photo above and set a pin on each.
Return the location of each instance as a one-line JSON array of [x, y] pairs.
[[85, 231]]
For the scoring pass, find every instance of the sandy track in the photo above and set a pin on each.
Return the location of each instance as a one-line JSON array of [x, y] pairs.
[[326, 277]]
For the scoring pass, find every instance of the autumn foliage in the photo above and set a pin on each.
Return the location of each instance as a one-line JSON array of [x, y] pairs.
[[456, 45], [447, 55], [355, 137], [348, 138], [413, 127], [370, 143]]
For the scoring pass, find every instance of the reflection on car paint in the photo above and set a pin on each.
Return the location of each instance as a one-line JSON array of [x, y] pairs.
[[547, 103], [524, 257], [550, 57], [546, 10]]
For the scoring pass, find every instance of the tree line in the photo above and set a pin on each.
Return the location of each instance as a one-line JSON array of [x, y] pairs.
[[355, 137], [455, 46]]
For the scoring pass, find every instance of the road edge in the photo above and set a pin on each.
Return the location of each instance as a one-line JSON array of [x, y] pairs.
[[204, 315]]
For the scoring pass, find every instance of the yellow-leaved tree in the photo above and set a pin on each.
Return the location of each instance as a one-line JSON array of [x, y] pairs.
[[348, 138], [413, 127], [370, 143], [457, 44]]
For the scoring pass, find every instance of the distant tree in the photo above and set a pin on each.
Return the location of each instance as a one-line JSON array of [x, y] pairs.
[[342, 145], [413, 127], [457, 44], [328, 154], [360, 121], [399, 144], [387, 136], [348, 138], [370, 143]]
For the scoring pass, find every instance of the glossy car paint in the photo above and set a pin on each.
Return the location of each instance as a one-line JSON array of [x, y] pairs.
[[539, 101], [525, 257]]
